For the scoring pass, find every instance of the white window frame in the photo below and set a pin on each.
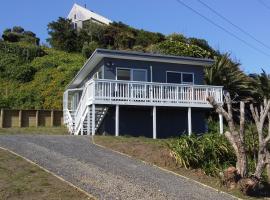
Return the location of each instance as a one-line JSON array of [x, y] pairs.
[[131, 72], [187, 82], [180, 72], [177, 72], [116, 72]]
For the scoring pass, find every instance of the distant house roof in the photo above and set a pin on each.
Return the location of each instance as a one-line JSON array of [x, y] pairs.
[[83, 14], [99, 54]]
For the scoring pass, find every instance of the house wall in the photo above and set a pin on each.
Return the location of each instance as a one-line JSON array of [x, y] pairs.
[[137, 121], [158, 69]]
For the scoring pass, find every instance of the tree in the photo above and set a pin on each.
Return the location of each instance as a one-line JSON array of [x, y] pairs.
[[203, 44], [260, 86], [89, 48], [227, 73], [18, 34], [179, 49], [236, 137], [62, 35]]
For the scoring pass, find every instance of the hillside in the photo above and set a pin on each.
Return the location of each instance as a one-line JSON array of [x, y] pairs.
[[33, 76]]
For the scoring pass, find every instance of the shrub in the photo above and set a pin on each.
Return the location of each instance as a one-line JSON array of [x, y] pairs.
[[89, 48], [210, 152], [177, 48]]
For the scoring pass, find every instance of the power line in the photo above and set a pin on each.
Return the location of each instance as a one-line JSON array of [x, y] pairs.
[[222, 28], [234, 25], [264, 4]]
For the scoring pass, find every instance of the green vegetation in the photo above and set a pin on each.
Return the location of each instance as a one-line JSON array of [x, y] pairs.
[[22, 180], [211, 152], [33, 76]]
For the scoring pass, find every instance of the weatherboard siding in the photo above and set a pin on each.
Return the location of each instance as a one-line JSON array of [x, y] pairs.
[[158, 69]]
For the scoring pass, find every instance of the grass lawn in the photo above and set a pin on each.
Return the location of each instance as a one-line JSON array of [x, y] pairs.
[[157, 152], [20, 179], [35, 131]]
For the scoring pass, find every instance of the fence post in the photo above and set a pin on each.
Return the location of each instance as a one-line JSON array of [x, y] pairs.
[[20, 118], [2, 118], [37, 117], [52, 118]]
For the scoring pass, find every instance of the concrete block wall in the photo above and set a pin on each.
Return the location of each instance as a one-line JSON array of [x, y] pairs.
[[30, 118]]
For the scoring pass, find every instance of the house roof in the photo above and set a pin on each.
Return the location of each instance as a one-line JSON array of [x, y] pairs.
[[83, 14], [99, 54]]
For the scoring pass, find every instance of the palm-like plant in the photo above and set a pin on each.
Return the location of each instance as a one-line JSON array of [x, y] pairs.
[[227, 73], [261, 85]]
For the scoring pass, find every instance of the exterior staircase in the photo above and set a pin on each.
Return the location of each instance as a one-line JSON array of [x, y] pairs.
[[86, 125]]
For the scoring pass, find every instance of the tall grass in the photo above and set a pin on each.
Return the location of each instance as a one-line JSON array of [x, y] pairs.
[[210, 152]]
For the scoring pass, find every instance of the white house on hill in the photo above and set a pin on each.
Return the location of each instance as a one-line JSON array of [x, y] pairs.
[[79, 15]]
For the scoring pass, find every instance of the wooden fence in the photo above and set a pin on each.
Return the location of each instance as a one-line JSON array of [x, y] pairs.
[[30, 118]]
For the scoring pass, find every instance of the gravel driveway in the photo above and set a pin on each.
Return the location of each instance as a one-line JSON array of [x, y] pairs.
[[103, 173]]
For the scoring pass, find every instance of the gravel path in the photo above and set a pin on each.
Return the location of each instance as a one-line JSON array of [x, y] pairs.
[[103, 173]]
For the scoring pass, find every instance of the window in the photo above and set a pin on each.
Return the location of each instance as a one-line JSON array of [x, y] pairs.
[[123, 74], [187, 78], [139, 75], [131, 74], [180, 77], [75, 16], [173, 77]]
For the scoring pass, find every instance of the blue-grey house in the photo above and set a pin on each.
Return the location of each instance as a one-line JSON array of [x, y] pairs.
[[139, 94]]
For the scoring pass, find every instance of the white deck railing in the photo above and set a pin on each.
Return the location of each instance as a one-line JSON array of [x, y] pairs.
[[145, 93], [139, 93]]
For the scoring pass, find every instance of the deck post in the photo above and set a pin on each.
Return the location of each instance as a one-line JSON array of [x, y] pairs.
[[189, 121], [88, 121], [154, 122], [117, 120], [93, 119], [220, 124]]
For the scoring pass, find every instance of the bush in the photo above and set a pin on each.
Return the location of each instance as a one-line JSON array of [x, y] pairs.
[[210, 152], [89, 48], [177, 48]]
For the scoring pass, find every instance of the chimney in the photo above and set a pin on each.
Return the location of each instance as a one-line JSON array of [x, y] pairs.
[[85, 5]]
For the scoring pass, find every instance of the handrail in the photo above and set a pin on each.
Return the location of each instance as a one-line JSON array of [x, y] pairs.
[[106, 91], [87, 94]]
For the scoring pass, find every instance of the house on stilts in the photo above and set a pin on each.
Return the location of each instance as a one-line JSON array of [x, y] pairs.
[[139, 94]]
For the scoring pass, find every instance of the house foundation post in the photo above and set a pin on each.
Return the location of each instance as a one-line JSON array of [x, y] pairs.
[[220, 124], [189, 121], [93, 119], [89, 121], [154, 122], [117, 120]]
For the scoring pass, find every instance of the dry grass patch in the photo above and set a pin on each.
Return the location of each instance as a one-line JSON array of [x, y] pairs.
[[34, 131], [20, 179]]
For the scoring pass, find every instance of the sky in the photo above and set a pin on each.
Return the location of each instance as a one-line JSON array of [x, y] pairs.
[[164, 16]]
